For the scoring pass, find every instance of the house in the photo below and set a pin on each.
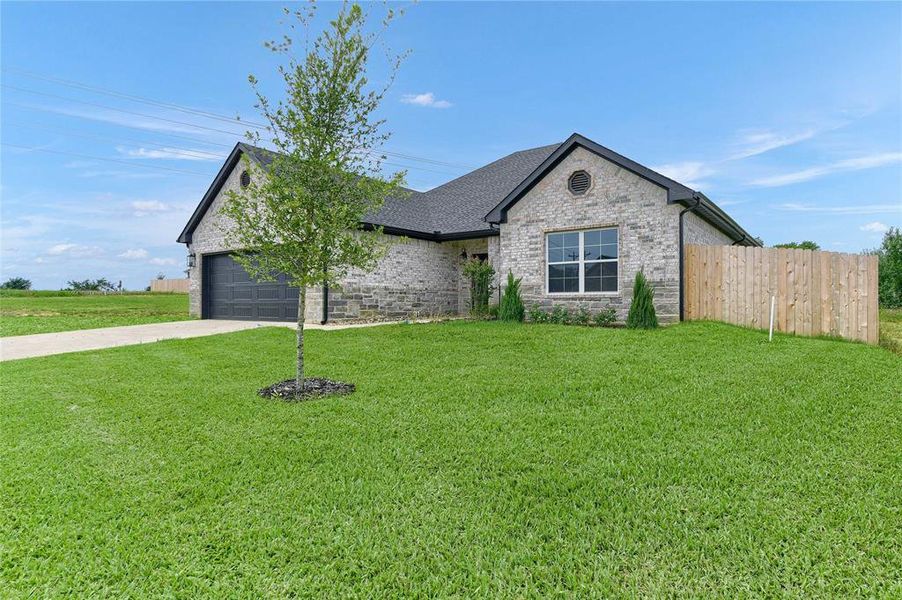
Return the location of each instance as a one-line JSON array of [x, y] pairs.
[[574, 220]]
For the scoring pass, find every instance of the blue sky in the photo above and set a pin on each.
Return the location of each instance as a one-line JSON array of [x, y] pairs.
[[787, 115]]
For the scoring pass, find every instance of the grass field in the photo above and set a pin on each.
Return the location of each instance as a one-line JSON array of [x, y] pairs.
[[475, 459], [891, 329], [41, 313]]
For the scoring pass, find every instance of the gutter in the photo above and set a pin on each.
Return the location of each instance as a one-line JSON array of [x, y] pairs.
[[692, 208]]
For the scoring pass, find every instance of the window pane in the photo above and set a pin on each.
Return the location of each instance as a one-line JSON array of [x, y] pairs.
[[592, 238], [563, 278], [608, 269], [608, 251], [563, 247], [592, 278], [591, 252], [608, 284], [607, 236]]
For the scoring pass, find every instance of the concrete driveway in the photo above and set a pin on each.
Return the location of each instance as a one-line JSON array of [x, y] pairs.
[[45, 344]]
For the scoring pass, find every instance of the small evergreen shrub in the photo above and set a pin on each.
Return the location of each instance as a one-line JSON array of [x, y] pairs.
[[559, 315], [606, 317], [581, 317], [511, 308], [642, 310], [536, 314]]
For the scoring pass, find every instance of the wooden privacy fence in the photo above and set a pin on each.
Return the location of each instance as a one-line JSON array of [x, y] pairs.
[[169, 285], [817, 293]]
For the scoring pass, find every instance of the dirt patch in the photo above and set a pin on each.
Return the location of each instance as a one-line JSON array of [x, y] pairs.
[[314, 387]]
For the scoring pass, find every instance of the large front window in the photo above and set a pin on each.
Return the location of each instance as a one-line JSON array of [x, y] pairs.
[[581, 262]]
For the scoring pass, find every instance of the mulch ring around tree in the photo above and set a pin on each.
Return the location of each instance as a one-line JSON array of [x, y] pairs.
[[314, 387]]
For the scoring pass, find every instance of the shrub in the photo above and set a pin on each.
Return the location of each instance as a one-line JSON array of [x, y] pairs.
[[511, 308], [16, 283], [91, 285], [537, 315], [559, 315], [642, 310], [606, 317], [492, 312], [581, 317], [890, 269], [480, 273]]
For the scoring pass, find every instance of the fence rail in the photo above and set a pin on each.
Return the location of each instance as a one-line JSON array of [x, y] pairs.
[[817, 293], [169, 285]]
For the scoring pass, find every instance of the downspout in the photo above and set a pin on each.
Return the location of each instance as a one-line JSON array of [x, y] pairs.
[[682, 266]]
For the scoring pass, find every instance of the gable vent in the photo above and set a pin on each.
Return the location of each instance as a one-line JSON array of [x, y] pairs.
[[245, 179], [579, 182]]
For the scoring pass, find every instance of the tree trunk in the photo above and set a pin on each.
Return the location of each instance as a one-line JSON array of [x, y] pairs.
[[299, 375]]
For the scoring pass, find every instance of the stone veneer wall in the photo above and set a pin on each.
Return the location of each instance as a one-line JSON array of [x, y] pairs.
[[647, 225], [698, 231], [417, 278]]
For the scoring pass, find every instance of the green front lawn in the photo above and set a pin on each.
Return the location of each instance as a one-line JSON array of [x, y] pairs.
[[39, 313], [475, 459]]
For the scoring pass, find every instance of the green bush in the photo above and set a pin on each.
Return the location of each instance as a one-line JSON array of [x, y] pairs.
[[606, 317], [560, 315], [581, 317], [536, 314], [16, 283], [890, 269], [642, 310], [511, 308], [480, 273], [492, 312]]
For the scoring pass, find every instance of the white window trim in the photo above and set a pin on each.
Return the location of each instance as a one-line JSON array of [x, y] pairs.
[[581, 262]]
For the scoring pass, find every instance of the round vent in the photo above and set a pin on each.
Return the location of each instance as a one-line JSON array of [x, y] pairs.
[[245, 179], [579, 182]]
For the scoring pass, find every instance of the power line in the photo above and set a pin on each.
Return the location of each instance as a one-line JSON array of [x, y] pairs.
[[189, 110], [122, 110], [132, 97], [188, 152], [113, 160], [185, 152]]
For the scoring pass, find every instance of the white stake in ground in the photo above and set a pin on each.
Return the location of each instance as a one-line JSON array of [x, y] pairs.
[[770, 338]]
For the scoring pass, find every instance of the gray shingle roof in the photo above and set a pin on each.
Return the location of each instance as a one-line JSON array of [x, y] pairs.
[[461, 204], [465, 206]]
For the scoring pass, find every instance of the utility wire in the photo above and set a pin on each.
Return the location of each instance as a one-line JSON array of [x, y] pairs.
[[113, 160], [188, 152], [194, 111], [122, 110]]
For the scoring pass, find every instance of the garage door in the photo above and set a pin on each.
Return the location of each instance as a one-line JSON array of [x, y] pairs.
[[230, 293]]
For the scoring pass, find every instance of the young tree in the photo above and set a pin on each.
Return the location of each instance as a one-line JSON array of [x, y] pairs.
[[301, 216]]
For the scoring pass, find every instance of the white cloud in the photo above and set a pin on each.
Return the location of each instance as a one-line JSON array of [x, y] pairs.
[[851, 209], [688, 173], [135, 253], [852, 164], [145, 207], [755, 142], [74, 250], [162, 262], [875, 227], [427, 99], [169, 154]]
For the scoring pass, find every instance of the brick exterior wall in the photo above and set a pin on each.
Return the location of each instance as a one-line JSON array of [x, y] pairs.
[[647, 226], [698, 231], [417, 278]]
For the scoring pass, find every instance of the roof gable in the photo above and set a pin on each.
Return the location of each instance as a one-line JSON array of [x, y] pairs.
[[675, 190]]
